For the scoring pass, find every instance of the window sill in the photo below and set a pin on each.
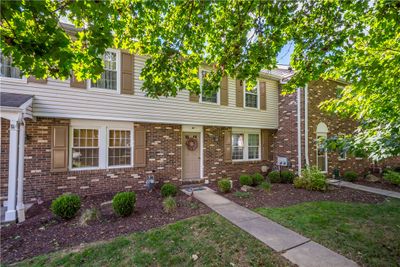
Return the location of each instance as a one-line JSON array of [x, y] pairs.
[[210, 103], [359, 158], [251, 108], [104, 91], [246, 160], [23, 80], [342, 159]]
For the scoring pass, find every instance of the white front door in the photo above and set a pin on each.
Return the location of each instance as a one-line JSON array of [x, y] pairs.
[[191, 155]]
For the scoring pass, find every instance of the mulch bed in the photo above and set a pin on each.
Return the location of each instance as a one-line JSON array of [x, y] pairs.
[[42, 232], [381, 185], [282, 195]]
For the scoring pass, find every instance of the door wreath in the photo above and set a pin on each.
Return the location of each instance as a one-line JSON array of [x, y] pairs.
[[191, 143]]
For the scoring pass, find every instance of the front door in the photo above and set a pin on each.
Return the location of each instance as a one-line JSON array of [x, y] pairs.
[[191, 156]]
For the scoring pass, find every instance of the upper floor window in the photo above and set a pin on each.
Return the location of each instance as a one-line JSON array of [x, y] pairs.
[[109, 78], [251, 97], [7, 69], [213, 98]]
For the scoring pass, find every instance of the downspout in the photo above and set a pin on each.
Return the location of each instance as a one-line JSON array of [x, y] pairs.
[[20, 185], [306, 124], [299, 131], [11, 213]]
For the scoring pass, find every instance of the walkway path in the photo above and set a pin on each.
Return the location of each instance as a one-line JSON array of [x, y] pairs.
[[374, 190], [293, 246]]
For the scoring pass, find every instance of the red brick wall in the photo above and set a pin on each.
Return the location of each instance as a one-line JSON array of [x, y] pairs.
[[5, 125]]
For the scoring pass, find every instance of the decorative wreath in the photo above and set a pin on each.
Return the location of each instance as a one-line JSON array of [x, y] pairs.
[[191, 143]]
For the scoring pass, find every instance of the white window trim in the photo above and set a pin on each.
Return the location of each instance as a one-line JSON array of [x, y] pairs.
[[109, 91], [201, 91], [103, 127], [325, 154], [258, 96], [246, 133]]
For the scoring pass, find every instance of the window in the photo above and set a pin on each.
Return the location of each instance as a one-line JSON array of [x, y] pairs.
[[119, 148], [322, 155], [251, 97], [339, 92], [7, 69], [85, 148], [100, 144], [245, 145], [342, 150], [109, 78], [213, 98]]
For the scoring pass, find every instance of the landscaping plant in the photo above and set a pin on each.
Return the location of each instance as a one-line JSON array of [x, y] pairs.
[[168, 190], [265, 186], [66, 206], [240, 194], [169, 204], [258, 178], [287, 177], [89, 215], [224, 185], [392, 176], [123, 203], [274, 177], [311, 179], [350, 176], [245, 179]]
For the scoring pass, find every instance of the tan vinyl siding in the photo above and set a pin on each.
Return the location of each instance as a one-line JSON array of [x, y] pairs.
[[58, 99]]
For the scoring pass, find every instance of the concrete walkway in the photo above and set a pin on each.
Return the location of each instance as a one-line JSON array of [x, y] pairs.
[[293, 246], [374, 190]]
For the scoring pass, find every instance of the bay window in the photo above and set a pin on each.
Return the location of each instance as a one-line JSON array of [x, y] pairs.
[[245, 144], [251, 96], [109, 79]]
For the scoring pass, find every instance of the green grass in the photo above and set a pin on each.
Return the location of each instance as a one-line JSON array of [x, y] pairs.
[[366, 233], [213, 239]]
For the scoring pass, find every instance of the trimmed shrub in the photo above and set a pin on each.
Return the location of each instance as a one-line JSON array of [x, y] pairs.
[[350, 176], [245, 179], [287, 177], [169, 204], [257, 178], [240, 194], [265, 186], [224, 185], [274, 177], [311, 179], [123, 203], [169, 190], [392, 176], [88, 216], [66, 206]]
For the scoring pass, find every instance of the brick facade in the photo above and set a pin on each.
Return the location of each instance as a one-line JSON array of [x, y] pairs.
[[5, 125]]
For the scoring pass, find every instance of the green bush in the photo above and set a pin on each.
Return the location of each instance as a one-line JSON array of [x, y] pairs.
[[169, 204], [66, 206], [240, 194], [350, 176], [392, 176], [265, 186], [123, 203], [311, 179], [169, 190], [88, 216], [224, 185], [258, 178], [245, 179], [287, 177], [274, 177]]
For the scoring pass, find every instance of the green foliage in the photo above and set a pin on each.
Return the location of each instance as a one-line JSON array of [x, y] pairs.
[[224, 185], [392, 176], [350, 176], [245, 179], [353, 40], [287, 177], [169, 189], [240, 194], [169, 204], [311, 179], [66, 206], [274, 177], [257, 178], [265, 186], [123, 203], [88, 216]]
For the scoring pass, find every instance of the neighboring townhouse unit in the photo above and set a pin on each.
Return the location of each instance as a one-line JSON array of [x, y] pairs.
[[107, 136]]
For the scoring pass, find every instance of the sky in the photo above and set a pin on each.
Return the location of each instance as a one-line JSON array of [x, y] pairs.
[[284, 55]]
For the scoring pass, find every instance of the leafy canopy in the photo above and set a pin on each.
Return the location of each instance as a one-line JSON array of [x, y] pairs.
[[354, 40]]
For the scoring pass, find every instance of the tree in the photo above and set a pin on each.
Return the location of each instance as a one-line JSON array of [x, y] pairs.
[[354, 40]]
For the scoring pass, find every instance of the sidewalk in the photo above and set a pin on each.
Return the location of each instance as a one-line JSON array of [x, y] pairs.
[[374, 190], [293, 246]]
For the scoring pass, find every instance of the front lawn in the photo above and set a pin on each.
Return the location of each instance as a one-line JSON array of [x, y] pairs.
[[366, 233], [209, 238]]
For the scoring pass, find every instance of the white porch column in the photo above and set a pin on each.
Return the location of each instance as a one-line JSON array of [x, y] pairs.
[[20, 186], [12, 172]]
